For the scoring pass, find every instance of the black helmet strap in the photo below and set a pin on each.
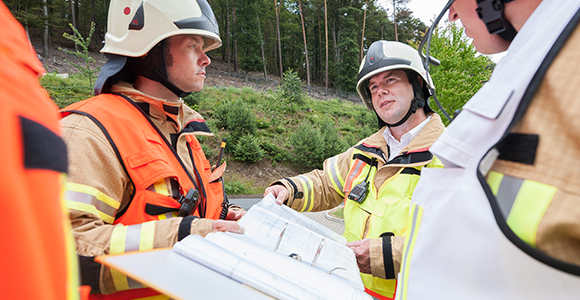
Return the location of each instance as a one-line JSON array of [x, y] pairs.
[[154, 66], [491, 13]]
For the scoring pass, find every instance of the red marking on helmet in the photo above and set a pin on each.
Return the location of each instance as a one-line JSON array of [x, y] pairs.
[[372, 58], [127, 10], [135, 22]]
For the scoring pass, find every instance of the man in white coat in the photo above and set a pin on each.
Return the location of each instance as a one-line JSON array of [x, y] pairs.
[[502, 219]]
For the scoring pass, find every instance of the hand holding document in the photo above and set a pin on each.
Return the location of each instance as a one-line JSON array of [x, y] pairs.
[[281, 254]]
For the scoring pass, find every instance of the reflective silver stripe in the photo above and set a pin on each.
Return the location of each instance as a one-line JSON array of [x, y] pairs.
[[134, 284], [307, 189], [335, 176], [133, 238], [92, 200], [353, 174], [507, 192], [402, 293]]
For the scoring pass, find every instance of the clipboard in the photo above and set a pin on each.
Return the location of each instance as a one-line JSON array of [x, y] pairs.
[[169, 273]]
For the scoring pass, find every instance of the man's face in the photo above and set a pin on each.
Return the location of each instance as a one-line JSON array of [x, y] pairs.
[[484, 42], [391, 94], [186, 62]]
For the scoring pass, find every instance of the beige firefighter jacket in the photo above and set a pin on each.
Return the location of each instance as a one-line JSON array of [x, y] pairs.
[[326, 197], [93, 163]]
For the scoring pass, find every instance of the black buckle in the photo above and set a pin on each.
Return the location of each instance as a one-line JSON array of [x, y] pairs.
[[189, 203], [491, 13]]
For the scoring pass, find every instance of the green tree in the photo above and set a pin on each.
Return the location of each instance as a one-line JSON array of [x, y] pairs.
[[462, 71], [247, 36], [291, 90], [348, 62], [84, 43]]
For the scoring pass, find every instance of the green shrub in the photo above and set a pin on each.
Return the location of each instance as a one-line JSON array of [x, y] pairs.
[[247, 149], [67, 91], [333, 143], [241, 120], [308, 145], [194, 99], [291, 88], [234, 187]]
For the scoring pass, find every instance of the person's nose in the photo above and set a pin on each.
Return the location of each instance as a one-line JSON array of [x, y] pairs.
[[453, 14], [204, 60], [382, 89]]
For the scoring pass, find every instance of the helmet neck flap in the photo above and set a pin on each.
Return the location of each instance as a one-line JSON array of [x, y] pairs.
[[154, 66]]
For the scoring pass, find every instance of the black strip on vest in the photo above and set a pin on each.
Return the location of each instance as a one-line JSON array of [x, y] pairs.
[[373, 150], [154, 210], [43, 149], [174, 110], [202, 208], [411, 171], [520, 112], [185, 227], [90, 273], [196, 126], [388, 255], [411, 158], [519, 147], [174, 137], [144, 106]]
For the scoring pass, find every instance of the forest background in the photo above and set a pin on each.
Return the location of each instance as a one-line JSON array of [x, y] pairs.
[[299, 46]]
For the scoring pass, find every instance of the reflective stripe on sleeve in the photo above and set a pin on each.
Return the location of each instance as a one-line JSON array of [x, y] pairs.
[[334, 175], [88, 199], [130, 238], [163, 186], [522, 202], [355, 171], [307, 186]]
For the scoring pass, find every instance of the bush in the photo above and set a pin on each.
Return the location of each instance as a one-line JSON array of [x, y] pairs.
[[241, 121], [248, 149], [308, 145], [194, 99], [333, 143], [235, 187], [291, 88]]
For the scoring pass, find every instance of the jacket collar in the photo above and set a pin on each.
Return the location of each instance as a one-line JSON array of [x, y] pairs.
[[432, 130]]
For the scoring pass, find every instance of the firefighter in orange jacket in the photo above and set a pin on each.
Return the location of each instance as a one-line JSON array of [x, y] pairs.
[[38, 259], [138, 177]]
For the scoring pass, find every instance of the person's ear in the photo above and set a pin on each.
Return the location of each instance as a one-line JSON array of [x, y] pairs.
[[420, 79]]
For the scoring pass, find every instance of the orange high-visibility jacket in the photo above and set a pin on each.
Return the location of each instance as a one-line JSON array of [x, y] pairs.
[[148, 157], [38, 257]]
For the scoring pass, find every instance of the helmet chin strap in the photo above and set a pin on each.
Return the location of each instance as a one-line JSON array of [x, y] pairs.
[[154, 66]]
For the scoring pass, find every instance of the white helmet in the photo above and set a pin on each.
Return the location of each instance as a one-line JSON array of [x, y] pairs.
[[135, 26], [139, 27], [384, 56]]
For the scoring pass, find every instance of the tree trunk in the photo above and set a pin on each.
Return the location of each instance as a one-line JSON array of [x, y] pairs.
[[45, 35], [319, 67], [228, 54], [278, 33], [395, 20], [305, 47], [326, 36], [261, 43], [362, 41], [235, 43]]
